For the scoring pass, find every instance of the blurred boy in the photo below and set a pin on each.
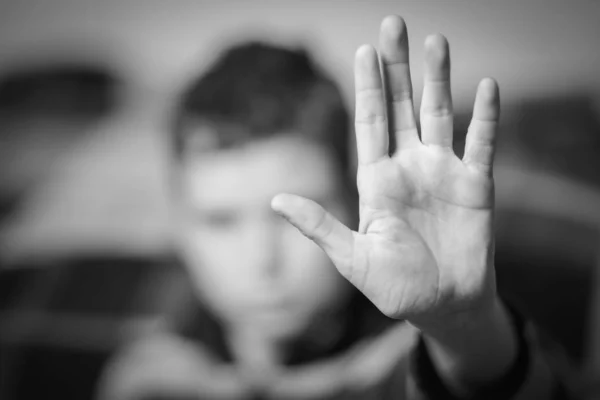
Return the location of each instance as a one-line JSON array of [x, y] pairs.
[[274, 318]]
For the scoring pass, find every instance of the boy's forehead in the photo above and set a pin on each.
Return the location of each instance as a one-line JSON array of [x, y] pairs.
[[259, 170]]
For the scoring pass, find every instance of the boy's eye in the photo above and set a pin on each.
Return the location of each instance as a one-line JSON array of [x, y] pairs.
[[220, 219]]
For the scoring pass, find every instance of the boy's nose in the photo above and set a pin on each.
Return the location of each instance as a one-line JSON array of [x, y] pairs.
[[268, 243]]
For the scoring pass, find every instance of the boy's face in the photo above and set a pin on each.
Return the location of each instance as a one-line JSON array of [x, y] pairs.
[[249, 265]]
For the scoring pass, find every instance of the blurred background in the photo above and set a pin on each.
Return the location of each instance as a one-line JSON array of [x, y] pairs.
[[86, 91]]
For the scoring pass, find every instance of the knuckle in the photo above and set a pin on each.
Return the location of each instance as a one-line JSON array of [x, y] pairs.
[[371, 118], [402, 96], [438, 110]]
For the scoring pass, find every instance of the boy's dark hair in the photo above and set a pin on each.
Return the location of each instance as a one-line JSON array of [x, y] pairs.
[[254, 91]]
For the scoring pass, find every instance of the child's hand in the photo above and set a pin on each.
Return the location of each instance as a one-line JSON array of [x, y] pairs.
[[424, 249]]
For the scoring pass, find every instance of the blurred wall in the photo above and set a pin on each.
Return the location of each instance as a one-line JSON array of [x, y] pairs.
[[537, 47], [108, 191]]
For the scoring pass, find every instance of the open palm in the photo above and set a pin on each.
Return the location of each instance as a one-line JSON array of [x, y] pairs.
[[424, 246]]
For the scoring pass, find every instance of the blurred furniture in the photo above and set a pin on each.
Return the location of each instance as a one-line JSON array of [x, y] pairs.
[[61, 319]]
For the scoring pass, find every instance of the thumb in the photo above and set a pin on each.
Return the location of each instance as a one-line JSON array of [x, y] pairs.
[[335, 238]]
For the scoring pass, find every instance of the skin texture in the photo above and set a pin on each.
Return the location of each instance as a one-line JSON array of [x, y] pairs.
[[424, 248]]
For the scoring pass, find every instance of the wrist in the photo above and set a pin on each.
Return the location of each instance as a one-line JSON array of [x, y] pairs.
[[485, 312], [473, 348], [433, 384]]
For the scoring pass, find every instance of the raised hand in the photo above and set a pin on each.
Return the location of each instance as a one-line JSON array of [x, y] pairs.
[[424, 248]]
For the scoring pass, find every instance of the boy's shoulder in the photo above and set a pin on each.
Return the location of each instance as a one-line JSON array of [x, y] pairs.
[[183, 356], [167, 363]]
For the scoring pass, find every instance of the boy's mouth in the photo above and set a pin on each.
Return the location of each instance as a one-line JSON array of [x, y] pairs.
[[272, 303]]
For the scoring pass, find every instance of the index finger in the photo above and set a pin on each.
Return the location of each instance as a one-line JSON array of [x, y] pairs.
[[370, 119], [481, 136]]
